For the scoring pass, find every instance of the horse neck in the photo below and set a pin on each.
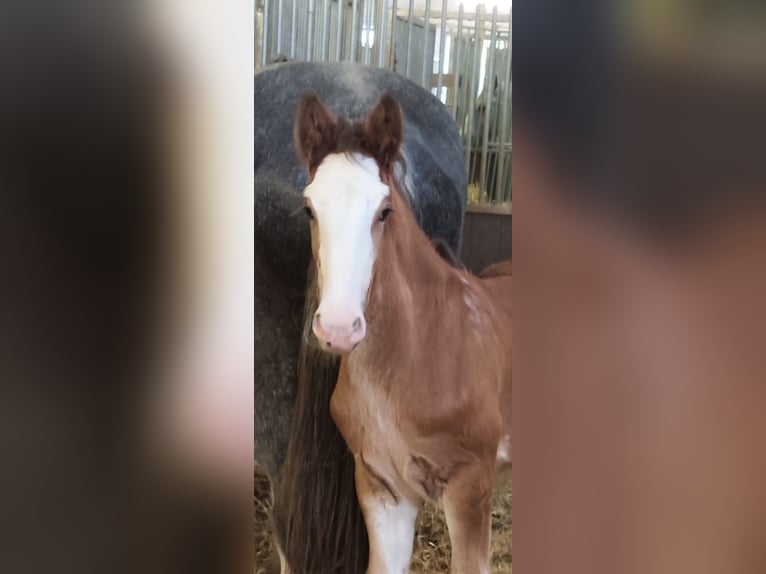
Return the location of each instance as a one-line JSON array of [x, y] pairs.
[[408, 272]]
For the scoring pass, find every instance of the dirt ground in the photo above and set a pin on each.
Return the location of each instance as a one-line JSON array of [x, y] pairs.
[[432, 550]]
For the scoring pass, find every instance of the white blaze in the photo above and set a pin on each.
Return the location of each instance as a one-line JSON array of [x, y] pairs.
[[346, 193]]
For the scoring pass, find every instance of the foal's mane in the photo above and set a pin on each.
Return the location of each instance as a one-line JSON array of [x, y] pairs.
[[446, 253], [443, 250]]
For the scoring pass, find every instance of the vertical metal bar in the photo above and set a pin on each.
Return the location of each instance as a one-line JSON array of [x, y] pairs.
[[490, 79], [442, 42], [354, 30], [280, 7], [408, 60], [362, 26], [504, 126], [325, 45], [293, 25], [392, 51], [301, 36], [366, 10], [427, 70], [477, 36], [310, 31], [375, 25], [331, 30], [374, 9], [339, 39], [371, 28], [458, 62], [265, 34], [382, 34], [375, 29]]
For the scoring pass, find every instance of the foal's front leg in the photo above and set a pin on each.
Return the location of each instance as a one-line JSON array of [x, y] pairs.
[[390, 520], [468, 509]]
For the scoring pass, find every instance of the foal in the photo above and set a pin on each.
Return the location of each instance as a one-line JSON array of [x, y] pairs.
[[423, 398]]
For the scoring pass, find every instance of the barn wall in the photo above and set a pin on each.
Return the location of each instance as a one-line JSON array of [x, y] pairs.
[[486, 239]]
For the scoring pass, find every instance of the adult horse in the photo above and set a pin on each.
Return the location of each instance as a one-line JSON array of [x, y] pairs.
[[317, 522]]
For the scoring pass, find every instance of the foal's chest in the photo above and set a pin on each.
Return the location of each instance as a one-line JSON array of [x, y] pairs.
[[369, 421]]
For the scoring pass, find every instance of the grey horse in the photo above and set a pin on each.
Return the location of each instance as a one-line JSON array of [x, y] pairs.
[[317, 524]]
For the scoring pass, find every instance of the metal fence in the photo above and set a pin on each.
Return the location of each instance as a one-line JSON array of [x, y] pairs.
[[462, 56]]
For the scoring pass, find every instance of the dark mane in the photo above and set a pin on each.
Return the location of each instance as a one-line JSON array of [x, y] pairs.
[[445, 252]]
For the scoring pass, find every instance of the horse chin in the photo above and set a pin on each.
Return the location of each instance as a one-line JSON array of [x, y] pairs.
[[335, 350]]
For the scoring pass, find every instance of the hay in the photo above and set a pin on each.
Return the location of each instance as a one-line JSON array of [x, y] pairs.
[[261, 525], [432, 551]]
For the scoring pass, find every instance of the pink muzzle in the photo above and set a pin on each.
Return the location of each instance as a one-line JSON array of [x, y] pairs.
[[339, 330]]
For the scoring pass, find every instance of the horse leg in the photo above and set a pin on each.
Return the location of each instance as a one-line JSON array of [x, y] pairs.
[[468, 508], [390, 519]]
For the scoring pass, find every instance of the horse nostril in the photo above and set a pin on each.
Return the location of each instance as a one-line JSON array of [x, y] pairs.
[[357, 324]]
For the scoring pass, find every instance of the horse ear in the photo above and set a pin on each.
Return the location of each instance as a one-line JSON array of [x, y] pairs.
[[383, 131], [314, 131]]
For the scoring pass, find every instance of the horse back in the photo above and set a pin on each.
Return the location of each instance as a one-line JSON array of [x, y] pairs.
[[500, 269]]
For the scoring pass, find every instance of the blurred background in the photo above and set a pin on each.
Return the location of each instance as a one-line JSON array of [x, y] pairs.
[[638, 335], [126, 286]]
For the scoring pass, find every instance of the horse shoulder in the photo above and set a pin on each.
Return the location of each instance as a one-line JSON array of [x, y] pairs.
[[344, 411]]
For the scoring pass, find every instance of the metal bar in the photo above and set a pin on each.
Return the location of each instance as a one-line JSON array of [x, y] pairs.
[[452, 15], [456, 91], [258, 44], [310, 30], [427, 70], [300, 30], [363, 25], [503, 127], [382, 32], [339, 38], [490, 79], [500, 188], [293, 25], [477, 36], [373, 26], [442, 42], [265, 34], [392, 51], [280, 8], [325, 45], [392, 55], [409, 40], [354, 30], [377, 9], [368, 17]]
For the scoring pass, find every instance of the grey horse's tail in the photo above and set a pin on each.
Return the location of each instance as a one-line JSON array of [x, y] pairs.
[[318, 522]]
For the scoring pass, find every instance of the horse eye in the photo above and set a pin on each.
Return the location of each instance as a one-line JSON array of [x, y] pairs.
[[383, 214], [308, 211]]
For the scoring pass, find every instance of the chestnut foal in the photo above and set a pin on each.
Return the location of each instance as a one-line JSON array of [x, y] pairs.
[[423, 398]]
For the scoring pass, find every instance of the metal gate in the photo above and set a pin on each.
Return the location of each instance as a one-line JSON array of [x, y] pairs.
[[462, 56]]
